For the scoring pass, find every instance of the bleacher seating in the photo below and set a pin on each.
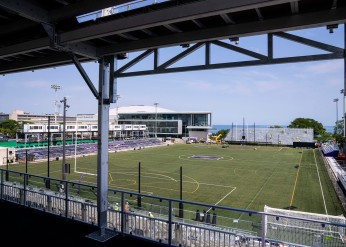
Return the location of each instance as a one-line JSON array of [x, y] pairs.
[[272, 136], [330, 149], [41, 153]]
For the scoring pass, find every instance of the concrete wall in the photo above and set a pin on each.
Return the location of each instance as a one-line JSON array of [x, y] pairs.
[[3, 155], [199, 134]]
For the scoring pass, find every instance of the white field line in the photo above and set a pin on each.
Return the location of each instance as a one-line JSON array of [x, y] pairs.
[[258, 192], [234, 188], [216, 185], [165, 177], [125, 188], [319, 179], [142, 191], [87, 173]]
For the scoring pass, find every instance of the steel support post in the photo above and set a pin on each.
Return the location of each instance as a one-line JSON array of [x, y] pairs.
[[344, 94], [105, 77]]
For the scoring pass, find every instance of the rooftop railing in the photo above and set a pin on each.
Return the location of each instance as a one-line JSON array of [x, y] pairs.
[[174, 222]]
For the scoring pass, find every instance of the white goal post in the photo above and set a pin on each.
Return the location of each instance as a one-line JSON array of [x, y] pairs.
[[303, 227]]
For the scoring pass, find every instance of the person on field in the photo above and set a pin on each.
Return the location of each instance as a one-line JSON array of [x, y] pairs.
[[127, 207], [150, 214]]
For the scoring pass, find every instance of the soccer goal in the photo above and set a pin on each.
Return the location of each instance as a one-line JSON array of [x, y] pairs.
[[303, 228]]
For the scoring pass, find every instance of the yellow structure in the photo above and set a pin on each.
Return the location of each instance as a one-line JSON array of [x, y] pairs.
[[217, 138]]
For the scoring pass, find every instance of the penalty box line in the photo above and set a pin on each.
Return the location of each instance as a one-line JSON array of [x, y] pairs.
[[219, 185], [223, 198]]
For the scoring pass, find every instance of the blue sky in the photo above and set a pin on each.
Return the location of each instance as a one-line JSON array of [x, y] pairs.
[[268, 95]]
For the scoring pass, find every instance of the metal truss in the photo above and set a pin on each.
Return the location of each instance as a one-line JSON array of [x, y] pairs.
[[327, 52]]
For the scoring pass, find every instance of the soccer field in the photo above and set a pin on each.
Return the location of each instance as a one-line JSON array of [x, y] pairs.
[[234, 176]]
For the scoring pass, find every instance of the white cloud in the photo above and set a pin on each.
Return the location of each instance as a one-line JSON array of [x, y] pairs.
[[261, 74], [335, 81], [327, 67], [265, 86], [81, 88], [214, 86], [29, 84]]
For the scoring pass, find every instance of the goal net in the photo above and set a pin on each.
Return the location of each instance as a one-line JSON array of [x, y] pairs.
[[303, 228]]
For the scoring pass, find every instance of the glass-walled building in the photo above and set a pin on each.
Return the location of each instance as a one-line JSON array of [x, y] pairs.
[[162, 122]]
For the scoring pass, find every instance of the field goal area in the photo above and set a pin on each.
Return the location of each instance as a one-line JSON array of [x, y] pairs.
[[302, 227]]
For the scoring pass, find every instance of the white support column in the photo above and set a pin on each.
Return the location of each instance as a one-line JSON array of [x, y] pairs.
[[102, 158], [344, 92], [105, 76]]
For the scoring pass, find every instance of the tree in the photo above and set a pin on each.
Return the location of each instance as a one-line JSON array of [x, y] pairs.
[[338, 134], [275, 127], [318, 128], [10, 127]]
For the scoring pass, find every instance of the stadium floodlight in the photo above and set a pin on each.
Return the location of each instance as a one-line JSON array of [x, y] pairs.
[[56, 87], [336, 123], [156, 118]]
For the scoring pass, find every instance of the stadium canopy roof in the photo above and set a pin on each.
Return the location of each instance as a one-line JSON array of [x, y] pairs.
[[38, 34], [139, 109]]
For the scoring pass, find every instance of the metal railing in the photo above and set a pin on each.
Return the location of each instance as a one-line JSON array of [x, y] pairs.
[[174, 222]]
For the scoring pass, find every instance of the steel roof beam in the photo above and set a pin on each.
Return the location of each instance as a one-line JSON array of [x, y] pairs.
[[335, 3], [171, 15], [309, 42], [227, 19], [29, 46], [27, 10], [240, 50], [180, 56], [148, 32], [16, 26], [84, 75], [294, 7], [238, 30], [136, 60], [45, 43], [198, 23], [173, 28], [247, 29], [128, 36], [82, 49], [37, 63], [259, 14], [308, 58]]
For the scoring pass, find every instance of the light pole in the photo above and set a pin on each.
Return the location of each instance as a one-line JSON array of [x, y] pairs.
[[48, 153], [64, 139], [336, 123], [156, 118], [342, 91], [56, 87], [116, 108]]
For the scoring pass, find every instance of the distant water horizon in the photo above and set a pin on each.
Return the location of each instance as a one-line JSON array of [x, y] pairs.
[[217, 127]]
